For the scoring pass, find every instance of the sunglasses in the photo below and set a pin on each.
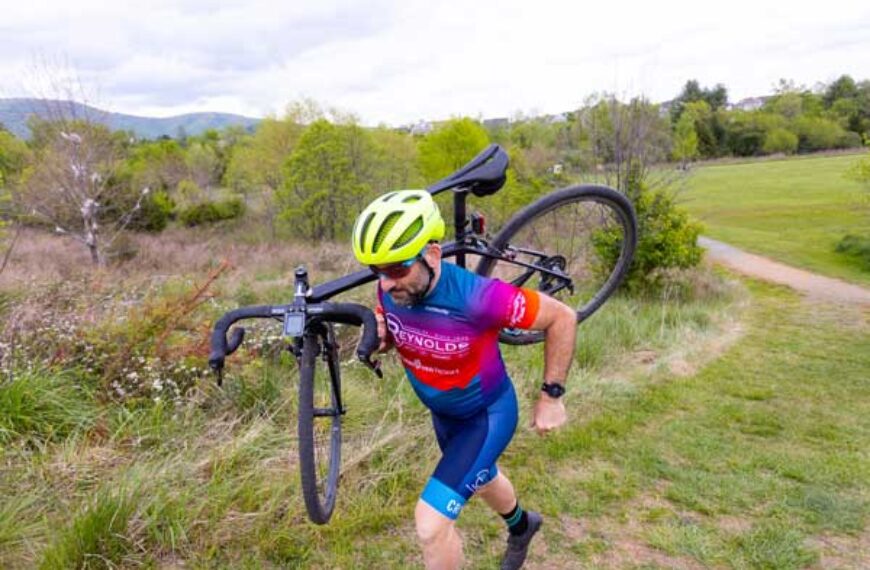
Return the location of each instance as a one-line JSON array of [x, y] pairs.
[[396, 270]]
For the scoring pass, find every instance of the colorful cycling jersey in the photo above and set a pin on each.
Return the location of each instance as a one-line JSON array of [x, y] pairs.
[[448, 343]]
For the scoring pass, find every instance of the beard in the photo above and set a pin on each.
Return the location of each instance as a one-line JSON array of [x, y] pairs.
[[410, 294], [403, 298]]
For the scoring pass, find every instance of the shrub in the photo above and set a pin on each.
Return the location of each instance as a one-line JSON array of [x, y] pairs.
[[856, 247], [850, 139], [155, 213], [209, 212], [189, 193], [819, 134], [780, 140], [666, 239]]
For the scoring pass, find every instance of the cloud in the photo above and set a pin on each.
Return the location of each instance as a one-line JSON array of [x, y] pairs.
[[399, 61]]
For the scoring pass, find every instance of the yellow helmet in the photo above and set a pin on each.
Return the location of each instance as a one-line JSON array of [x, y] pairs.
[[396, 227]]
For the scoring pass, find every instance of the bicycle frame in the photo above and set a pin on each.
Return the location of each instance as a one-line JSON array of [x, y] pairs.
[[466, 243], [483, 175]]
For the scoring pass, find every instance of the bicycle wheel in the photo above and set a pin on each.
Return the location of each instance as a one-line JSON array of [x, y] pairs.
[[319, 421], [586, 235]]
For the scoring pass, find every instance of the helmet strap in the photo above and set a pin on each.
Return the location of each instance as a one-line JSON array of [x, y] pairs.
[[418, 297]]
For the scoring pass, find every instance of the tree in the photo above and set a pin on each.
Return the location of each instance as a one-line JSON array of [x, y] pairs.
[[159, 165], [685, 140], [14, 156], [747, 131], [72, 185], [256, 165], [325, 184], [450, 146], [625, 140], [843, 88], [203, 163], [716, 98], [396, 163]]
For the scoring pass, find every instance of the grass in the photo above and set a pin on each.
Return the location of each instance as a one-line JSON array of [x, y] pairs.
[[213, 480], [793, 210], [40, 406], [726, 431]]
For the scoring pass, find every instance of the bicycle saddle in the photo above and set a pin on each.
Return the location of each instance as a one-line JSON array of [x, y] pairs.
[[483, 175]]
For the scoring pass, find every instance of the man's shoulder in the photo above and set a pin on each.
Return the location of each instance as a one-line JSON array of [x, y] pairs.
[[461, 275]]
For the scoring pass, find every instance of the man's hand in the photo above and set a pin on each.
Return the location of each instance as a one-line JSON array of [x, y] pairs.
[[386, 340], [548, 414]]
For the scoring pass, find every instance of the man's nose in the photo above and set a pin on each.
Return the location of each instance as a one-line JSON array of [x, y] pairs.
[[387, 284]]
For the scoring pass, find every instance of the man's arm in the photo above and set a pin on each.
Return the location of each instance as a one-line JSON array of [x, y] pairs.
[[559, 323]]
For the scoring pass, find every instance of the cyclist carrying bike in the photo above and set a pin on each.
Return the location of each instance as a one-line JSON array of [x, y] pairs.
[[444, 322]]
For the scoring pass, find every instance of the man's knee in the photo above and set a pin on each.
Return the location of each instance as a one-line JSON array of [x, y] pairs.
[[432, 526]]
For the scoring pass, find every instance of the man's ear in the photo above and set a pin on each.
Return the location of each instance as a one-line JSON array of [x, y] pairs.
[[433, 253]]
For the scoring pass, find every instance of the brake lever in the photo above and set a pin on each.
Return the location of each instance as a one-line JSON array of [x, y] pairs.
[[216, 364], [374, 365]]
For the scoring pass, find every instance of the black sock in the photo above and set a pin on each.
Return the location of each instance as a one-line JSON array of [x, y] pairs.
[[517, 520]]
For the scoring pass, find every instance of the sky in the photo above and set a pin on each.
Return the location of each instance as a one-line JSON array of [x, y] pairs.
[[396, 62]]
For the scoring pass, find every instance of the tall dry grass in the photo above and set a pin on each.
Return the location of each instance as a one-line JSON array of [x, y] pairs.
[[43, 257]]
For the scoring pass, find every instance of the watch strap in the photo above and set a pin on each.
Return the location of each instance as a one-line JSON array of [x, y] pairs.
[[553, 389]]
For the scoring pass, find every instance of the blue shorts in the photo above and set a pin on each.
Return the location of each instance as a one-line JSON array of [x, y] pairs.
[[470, 447]]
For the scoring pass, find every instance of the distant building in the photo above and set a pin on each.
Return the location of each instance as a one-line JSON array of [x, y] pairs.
[[421, 128], [497, 123], [665, 108], [559, 118], [748, 104]]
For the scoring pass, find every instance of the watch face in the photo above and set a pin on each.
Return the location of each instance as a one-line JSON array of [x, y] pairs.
[[553, 390]]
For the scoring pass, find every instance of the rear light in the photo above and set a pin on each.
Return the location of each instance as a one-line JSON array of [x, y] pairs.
[[478, 223]]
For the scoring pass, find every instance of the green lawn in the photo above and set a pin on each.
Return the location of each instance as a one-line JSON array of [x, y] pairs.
[[793, 210]]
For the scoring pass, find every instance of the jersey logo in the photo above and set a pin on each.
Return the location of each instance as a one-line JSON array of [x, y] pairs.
[[518, 309], [412, 337]]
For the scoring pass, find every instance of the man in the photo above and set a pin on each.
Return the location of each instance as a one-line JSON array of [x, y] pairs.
[[444, 321]]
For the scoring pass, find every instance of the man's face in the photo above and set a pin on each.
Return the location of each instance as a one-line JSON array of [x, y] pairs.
[[405, 290]]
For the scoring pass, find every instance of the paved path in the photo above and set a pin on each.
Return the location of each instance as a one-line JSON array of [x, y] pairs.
[[811, 284]]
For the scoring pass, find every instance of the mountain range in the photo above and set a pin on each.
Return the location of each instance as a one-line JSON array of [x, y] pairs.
[[14, 114]]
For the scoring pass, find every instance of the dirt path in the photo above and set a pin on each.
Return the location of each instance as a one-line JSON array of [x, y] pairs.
[[811, 284]]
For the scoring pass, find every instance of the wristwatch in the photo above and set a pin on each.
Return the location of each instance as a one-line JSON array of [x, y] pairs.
[[553, 389]]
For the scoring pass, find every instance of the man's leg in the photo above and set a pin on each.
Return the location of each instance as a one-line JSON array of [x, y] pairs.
[[499, 494], [442, 547]]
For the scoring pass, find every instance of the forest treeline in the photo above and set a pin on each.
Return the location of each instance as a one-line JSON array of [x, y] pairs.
[[308, 172]]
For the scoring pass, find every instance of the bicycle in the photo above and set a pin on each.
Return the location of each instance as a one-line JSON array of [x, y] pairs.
[[530, 250]]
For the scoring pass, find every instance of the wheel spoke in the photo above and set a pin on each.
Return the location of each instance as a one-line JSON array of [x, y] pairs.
[[591, 227]]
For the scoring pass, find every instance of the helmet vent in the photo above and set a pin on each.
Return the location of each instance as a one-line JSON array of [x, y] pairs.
[[410, 233], [410, 199], [385, 228], [364, 230], [388, 197]]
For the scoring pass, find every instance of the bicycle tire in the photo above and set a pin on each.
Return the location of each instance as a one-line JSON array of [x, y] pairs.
[[562, 210], [319, 423]]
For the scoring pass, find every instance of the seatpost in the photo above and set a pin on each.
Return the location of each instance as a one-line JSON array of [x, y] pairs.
[[459, 222], [301, 286]]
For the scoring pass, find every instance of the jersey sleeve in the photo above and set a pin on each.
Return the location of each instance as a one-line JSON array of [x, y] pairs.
[[501, 305]]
